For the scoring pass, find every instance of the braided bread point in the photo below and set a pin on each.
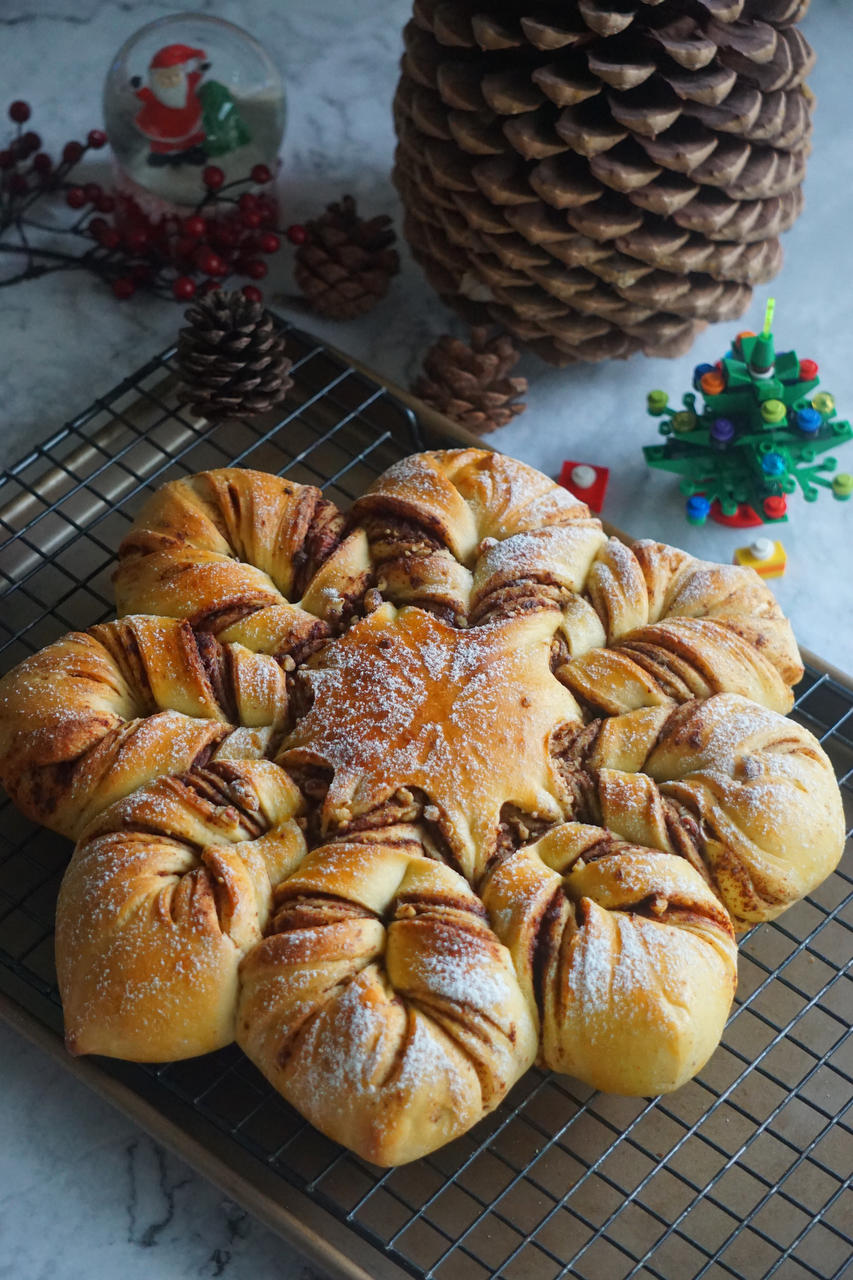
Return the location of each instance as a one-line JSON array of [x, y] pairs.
[[381, 1004], [675, 628], [747, 796], [164, 895], [447, 531], [473, 535], [221, 545], [101, 712], [626, 954]]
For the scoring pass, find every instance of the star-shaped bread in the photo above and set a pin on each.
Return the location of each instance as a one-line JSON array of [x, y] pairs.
[[465, 717]]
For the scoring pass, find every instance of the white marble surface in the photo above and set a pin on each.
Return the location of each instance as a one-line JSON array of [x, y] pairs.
[[81, 1191]]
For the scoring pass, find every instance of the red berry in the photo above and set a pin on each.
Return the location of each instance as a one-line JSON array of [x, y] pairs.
[[96, 227], [75, 197], [18, 184], [194, 226], [110, 238], [251, 219], [216, 266], [297, 234], [247, 201], [136, 239], [205, 260], [256, 269], [253, 294], [105, 204], [7, 160], [19, 111], [184, 288], [31, 141], [208, 286], [124, 288], [72, 152], [93, 191], [267, 209], [42, 163], [269, 243], [261, 174], [96, 138], [213, 177]]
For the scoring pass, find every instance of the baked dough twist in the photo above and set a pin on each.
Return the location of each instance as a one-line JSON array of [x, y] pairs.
[[542, 778], [95, 715], [381, 1004], [164, 895]]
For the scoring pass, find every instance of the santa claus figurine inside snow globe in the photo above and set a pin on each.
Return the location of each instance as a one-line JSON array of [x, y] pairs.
[[184, 93]]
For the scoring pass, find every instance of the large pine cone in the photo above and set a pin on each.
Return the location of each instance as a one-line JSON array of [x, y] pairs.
[[607, 177], [231, 357], [347, 262]]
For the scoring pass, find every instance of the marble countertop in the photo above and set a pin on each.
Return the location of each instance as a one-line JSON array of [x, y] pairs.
[[66, 1156]]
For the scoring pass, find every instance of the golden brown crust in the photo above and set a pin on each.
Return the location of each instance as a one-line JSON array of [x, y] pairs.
[[381, 1004], [627, 955], [99, 713], [464, 716], [165, 893], [586, 730], [221, 545]]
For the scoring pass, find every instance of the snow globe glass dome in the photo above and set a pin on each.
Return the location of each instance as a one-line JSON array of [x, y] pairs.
[[185, 92]]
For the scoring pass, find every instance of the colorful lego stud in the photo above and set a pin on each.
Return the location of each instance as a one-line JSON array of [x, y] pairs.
[[764, 556], [721, 433], [842, 486], [808, 370], [657, 402], [773, 464], [809, 421], [697, 508], [586, 482], [775, 506], [713, 383], [824, 402], [773, 412], [683, 421]]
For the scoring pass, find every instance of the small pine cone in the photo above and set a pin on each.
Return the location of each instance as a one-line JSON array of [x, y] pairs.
[[347, 262], [231, 358], [470, 384]]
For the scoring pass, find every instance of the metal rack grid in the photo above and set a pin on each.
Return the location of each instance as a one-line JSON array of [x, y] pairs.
[[744, 1172]]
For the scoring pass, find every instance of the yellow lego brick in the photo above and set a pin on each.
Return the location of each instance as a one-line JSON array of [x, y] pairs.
[[764, 556]]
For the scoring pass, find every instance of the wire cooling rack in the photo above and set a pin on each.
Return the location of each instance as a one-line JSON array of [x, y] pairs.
[[744, 1172]]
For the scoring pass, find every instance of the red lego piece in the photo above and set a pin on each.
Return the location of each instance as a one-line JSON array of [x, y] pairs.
[[587, 482]]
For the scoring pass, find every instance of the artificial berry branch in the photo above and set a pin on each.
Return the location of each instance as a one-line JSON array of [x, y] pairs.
[[229, 233]]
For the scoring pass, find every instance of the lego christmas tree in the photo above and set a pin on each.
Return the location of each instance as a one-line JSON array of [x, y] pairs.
[[758, 437]]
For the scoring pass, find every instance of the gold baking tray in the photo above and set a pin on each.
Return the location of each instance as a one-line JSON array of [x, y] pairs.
[[744, 1172]]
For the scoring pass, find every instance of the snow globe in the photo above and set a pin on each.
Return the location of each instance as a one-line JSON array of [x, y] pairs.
[[184, 94]]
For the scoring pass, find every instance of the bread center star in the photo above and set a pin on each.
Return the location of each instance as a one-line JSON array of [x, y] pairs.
[[466, 717]]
